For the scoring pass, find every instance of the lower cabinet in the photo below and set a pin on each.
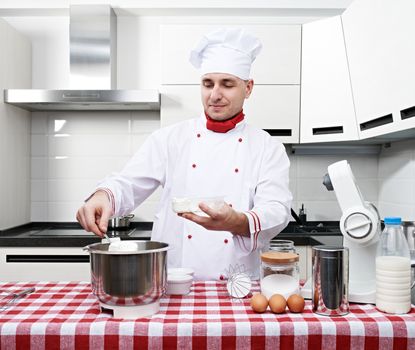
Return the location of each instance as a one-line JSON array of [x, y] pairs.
[[44, 264]]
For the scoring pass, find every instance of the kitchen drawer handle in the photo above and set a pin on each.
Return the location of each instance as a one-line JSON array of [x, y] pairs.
[[279, 132], [47, 258], [374, 123], [408, 113], [328, 130]]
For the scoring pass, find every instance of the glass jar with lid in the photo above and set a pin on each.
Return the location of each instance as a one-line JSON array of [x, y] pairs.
[[282, 245], [280, 273]]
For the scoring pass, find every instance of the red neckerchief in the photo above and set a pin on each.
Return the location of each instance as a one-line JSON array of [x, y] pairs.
[[224, 125]]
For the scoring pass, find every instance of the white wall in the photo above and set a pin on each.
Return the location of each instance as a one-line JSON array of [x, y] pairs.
[[71, 152], [306, 183], [397, 180], [66, 163], [15, 72]]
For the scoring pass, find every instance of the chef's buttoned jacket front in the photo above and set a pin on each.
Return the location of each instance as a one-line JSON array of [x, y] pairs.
[[246, 166]]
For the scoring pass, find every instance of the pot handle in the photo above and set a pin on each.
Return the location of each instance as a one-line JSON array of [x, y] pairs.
[[129, 216], [86, 248]]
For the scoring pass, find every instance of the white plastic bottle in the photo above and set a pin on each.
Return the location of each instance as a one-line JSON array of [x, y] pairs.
[[393, 269]]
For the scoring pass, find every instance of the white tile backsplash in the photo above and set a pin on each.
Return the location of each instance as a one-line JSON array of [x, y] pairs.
[[38, 190], [61, 190], [397, 180], [39, 123], [396, 166], [84, 167], [89, 145], [89, 122], [39, 168], [65, 169], [39, 211], [39, 145]]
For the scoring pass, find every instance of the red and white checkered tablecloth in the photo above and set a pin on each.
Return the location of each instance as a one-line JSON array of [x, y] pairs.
[[66, 315]]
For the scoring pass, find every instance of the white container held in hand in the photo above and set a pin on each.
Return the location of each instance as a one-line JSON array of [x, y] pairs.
[[393, 269], [191, 204]]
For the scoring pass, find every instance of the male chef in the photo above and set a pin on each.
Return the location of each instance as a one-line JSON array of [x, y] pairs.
[[217, 154]]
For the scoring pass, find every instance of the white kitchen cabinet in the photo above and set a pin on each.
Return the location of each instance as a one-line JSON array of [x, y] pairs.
[[303, 262], [327, 111], [278, 63], [379, 36], [271, 107], [44, 264], [179, 102]]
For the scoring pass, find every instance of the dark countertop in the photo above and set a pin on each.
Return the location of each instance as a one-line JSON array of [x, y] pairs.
[[69, 234]]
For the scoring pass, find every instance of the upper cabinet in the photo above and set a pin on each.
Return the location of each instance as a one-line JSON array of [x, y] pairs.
[[273, 108], [379, 36], [275, 102], [278, 62], [327, 111]]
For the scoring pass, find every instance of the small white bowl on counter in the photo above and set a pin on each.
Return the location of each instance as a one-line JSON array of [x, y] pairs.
[[179, 280], [178, 284], [181, 271]]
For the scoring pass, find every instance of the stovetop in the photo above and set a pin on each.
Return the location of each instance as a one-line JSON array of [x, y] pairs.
[[79, 233]]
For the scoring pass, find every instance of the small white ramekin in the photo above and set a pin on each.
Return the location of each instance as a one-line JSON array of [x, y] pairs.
[[178, 284], [181, 271]]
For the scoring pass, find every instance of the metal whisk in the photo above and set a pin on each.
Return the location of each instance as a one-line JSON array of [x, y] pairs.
[[10, 298]]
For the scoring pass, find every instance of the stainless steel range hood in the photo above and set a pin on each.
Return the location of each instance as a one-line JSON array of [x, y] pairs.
[[93, 67]]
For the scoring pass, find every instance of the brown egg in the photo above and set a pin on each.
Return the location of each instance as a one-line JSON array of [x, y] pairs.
[[259, 303], [296, 303], [277, 304]]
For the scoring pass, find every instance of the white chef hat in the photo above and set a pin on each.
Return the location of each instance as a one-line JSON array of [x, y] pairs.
[[226, 50]]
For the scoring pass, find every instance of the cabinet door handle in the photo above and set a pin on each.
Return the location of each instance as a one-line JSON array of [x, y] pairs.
[[408, 113], [328, 130], [374, 123], [47, 258], [279, 132]]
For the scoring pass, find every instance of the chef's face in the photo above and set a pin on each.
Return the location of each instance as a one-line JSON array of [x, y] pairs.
[[223, 95]]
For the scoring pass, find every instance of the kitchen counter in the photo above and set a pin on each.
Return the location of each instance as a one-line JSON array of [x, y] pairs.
[[66, 315], [72, 234]]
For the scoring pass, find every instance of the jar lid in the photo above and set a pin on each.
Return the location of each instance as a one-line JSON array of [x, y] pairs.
[[279, 257]]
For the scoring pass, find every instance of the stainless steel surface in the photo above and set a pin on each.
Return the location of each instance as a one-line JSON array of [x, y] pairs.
[[409, 232], [93, 67], [62, 100], [93, 47], [330, 280], [129, 278], [120, 222]]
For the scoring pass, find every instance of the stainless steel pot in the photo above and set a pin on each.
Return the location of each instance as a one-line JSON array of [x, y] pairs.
[[121, 278], [120, 222]]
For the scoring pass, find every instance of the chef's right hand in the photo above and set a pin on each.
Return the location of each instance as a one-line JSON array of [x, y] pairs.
[[95, 213]]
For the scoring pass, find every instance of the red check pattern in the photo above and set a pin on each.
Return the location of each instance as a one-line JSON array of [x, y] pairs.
[[67, 316]]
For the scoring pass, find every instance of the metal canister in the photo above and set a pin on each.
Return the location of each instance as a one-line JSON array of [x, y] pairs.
[[330, 280], [409, 232]]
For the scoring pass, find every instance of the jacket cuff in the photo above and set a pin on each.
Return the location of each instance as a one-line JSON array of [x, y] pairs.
[[250, 244]]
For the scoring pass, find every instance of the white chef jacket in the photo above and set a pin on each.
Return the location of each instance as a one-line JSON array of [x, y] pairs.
[[246, 166]]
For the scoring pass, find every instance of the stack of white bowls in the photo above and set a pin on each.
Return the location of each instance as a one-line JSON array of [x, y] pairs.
[[179, 280]]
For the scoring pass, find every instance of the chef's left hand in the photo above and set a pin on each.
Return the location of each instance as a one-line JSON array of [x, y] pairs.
[[223, 219]]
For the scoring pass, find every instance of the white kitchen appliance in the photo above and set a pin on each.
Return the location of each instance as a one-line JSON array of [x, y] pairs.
[[360, 226]]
